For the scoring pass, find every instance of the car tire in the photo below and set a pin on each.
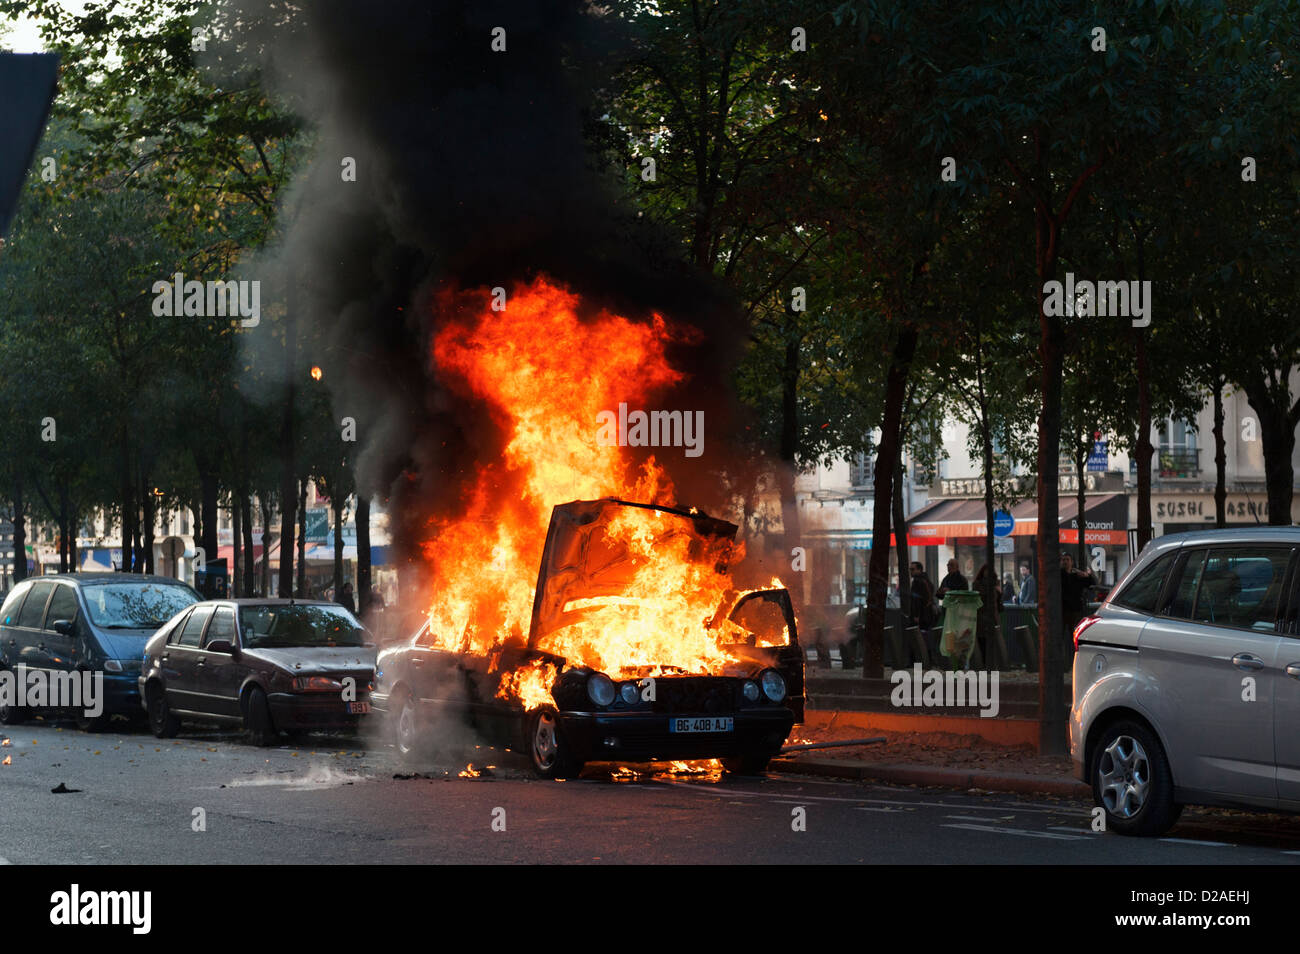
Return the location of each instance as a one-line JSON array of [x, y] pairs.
[[162, 723], [747, 764], [406, 728], [257, 719], [92, 723], [13, 715], [1132, 782], [547, 748]]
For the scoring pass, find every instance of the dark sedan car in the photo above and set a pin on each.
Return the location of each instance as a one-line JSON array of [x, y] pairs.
[[742, 715], [271, 665]]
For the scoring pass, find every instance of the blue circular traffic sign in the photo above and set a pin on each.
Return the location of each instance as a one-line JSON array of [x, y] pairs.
[[1003, 524]]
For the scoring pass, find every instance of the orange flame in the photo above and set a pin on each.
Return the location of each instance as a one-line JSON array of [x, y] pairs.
[[546, 371]]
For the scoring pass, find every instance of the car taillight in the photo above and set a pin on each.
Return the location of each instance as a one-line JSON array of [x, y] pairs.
[[1083, 625]]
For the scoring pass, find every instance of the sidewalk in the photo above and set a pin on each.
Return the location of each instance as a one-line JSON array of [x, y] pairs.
[[939, 759]]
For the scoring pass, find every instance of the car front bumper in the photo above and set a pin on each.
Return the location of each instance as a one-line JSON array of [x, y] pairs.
[[641, 736], [301, 710]]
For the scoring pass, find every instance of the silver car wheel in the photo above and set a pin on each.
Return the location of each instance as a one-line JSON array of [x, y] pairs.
[[545, 746], [1124, 775], [406, 728]]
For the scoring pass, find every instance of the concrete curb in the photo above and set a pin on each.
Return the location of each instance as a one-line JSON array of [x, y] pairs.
[[938, 777]]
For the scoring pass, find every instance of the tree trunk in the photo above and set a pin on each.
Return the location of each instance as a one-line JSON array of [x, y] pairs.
[[986, 620], [264, 499], [63, 528], [20, 533], [1277, 434], [150, 512], [301, 587], [246, 509], [209, 489], [363, 551], [1220, 460], [887, 453], [901, 548], [1081, 500], [128, 510], [1052, 738], [789, 442], [236, 549], [288, 455], [338, 544]]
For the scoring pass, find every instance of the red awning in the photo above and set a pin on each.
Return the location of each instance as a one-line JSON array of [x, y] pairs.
[[966, 518]]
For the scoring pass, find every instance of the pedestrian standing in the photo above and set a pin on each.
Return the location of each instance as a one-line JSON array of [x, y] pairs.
[[1074, 582], [1008, 589], [922, 613], [953, 581], [345, 599], [1028, 587]]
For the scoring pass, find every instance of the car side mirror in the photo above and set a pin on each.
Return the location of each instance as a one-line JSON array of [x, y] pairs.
[[62, 626], [220, 646]]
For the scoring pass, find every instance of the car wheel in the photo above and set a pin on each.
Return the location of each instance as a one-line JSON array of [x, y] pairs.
[[546, 746], [405, 728], [92, 723], [1132, 782], [747, 764], [12, 715], [257, 719], [162, 723]]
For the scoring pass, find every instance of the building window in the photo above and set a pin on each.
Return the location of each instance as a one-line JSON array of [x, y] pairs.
[[1177, 455], [862, 470]]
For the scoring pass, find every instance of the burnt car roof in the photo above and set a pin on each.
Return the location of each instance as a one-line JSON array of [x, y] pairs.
[[572, 560]]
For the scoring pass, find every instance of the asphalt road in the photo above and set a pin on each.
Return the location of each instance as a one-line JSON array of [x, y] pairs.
[[336, 800]]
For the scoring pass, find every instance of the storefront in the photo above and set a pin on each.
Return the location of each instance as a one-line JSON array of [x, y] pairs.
[[955, 527], [1181, 512]]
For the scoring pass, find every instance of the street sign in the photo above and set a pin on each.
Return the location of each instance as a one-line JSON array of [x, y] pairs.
[[1003, 524], [1099, 459], [317, 526], [1004, 545]]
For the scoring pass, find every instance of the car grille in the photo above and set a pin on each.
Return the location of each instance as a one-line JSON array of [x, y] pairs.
[[696, 694]]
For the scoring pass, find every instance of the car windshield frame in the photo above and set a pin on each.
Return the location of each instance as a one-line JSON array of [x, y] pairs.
[[103, 617], [290, 637]]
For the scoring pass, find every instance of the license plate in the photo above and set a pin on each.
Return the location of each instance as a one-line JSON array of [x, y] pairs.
[[701, 724], [358, 707]]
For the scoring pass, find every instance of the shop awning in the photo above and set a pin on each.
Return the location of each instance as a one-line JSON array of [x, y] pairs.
[[944, 519]]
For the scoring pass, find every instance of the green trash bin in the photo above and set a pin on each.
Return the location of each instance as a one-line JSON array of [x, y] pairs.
[[960, 613]]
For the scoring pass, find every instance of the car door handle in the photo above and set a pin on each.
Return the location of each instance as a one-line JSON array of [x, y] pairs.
[[1247, 661], [164, 657], [1293, 670], [417, 661], [200, 662]]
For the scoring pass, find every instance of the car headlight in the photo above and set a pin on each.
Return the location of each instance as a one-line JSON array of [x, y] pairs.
[[316, 684], [750, 690], [600, 689], [773, 685], [112, 665], [627, 692]]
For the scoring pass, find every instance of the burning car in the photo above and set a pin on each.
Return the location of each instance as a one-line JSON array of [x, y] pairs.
[[639, 649]]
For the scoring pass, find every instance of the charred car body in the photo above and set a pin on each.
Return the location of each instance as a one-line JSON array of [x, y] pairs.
[[741, 712]]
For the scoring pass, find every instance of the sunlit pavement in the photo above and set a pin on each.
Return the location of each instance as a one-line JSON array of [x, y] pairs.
[[210, 798]]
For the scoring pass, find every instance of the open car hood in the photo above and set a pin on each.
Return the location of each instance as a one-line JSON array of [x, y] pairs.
[[580, 562]]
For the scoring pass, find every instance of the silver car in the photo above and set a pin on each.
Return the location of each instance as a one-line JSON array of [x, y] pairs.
[[1187, 680]]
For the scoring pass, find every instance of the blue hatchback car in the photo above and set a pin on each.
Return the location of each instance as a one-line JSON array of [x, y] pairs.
[[95, 623]]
